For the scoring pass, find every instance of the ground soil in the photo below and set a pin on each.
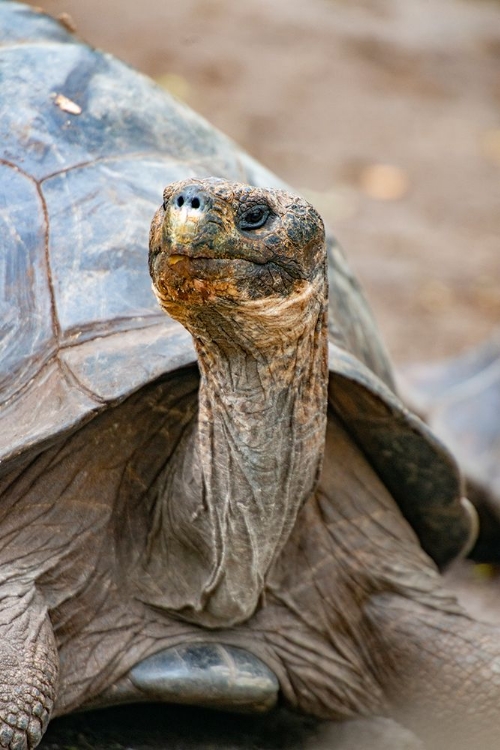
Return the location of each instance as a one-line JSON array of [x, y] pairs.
[[386, 114]]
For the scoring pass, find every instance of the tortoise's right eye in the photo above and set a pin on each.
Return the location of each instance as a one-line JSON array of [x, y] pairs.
[[254, 217]]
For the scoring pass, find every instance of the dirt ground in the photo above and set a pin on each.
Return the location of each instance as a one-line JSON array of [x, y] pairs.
[[384, 113]]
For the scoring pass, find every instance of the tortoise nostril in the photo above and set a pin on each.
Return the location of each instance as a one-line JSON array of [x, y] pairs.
[[191, 198]]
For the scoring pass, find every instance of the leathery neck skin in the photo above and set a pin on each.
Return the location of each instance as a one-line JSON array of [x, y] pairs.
[[231, 494]]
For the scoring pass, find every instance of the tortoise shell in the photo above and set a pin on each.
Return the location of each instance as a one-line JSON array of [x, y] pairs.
[[87, 145]]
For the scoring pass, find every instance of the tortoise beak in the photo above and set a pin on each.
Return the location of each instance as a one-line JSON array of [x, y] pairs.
[[186, 209]]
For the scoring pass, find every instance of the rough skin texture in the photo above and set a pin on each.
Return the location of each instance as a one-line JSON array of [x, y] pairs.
[[28, 680], [255, 300]]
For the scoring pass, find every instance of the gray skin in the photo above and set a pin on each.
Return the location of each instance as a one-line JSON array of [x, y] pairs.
[[209, 514]]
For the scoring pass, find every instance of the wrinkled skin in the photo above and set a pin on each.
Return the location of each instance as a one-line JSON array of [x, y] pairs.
[[255, 300], [235, 509]]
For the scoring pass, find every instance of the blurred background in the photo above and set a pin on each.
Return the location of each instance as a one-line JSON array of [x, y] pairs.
[[384, 113]]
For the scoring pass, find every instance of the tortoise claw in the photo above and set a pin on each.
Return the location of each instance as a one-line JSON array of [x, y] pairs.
[[474, 526], [209, 675]]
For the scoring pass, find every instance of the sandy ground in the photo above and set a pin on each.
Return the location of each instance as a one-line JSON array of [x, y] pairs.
[[386, 114]]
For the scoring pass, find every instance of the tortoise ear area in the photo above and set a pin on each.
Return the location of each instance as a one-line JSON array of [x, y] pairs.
[[416, 468]]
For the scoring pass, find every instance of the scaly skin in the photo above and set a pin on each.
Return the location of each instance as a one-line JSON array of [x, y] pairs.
[[28, 678]]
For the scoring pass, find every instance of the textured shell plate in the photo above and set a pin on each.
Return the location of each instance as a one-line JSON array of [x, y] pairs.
[[79, 325]]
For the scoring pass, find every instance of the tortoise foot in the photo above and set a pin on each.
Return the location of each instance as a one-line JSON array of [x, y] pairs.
[[19, 733], [28, 671], [209, 675], [25, 709]]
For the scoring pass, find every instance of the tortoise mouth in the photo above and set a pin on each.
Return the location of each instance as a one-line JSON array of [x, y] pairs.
[[219, 269], [176, 258], [254, 273], [181, 253], [208, 266]]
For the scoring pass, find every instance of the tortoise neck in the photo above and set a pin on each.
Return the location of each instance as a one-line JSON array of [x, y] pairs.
[[252, 459]]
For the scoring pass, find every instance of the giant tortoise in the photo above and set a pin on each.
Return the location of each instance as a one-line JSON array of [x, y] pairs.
[[240, 517]]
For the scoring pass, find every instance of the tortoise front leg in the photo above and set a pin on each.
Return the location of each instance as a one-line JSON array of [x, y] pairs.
[[28, 668]]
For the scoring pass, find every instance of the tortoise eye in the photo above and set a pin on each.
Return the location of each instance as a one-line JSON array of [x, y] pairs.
[[254, 217]]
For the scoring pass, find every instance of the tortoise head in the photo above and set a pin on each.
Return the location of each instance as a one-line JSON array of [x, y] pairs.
[[217, 247]]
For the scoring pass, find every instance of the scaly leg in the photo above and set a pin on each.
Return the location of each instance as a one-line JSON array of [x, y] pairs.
[[28, 668]]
